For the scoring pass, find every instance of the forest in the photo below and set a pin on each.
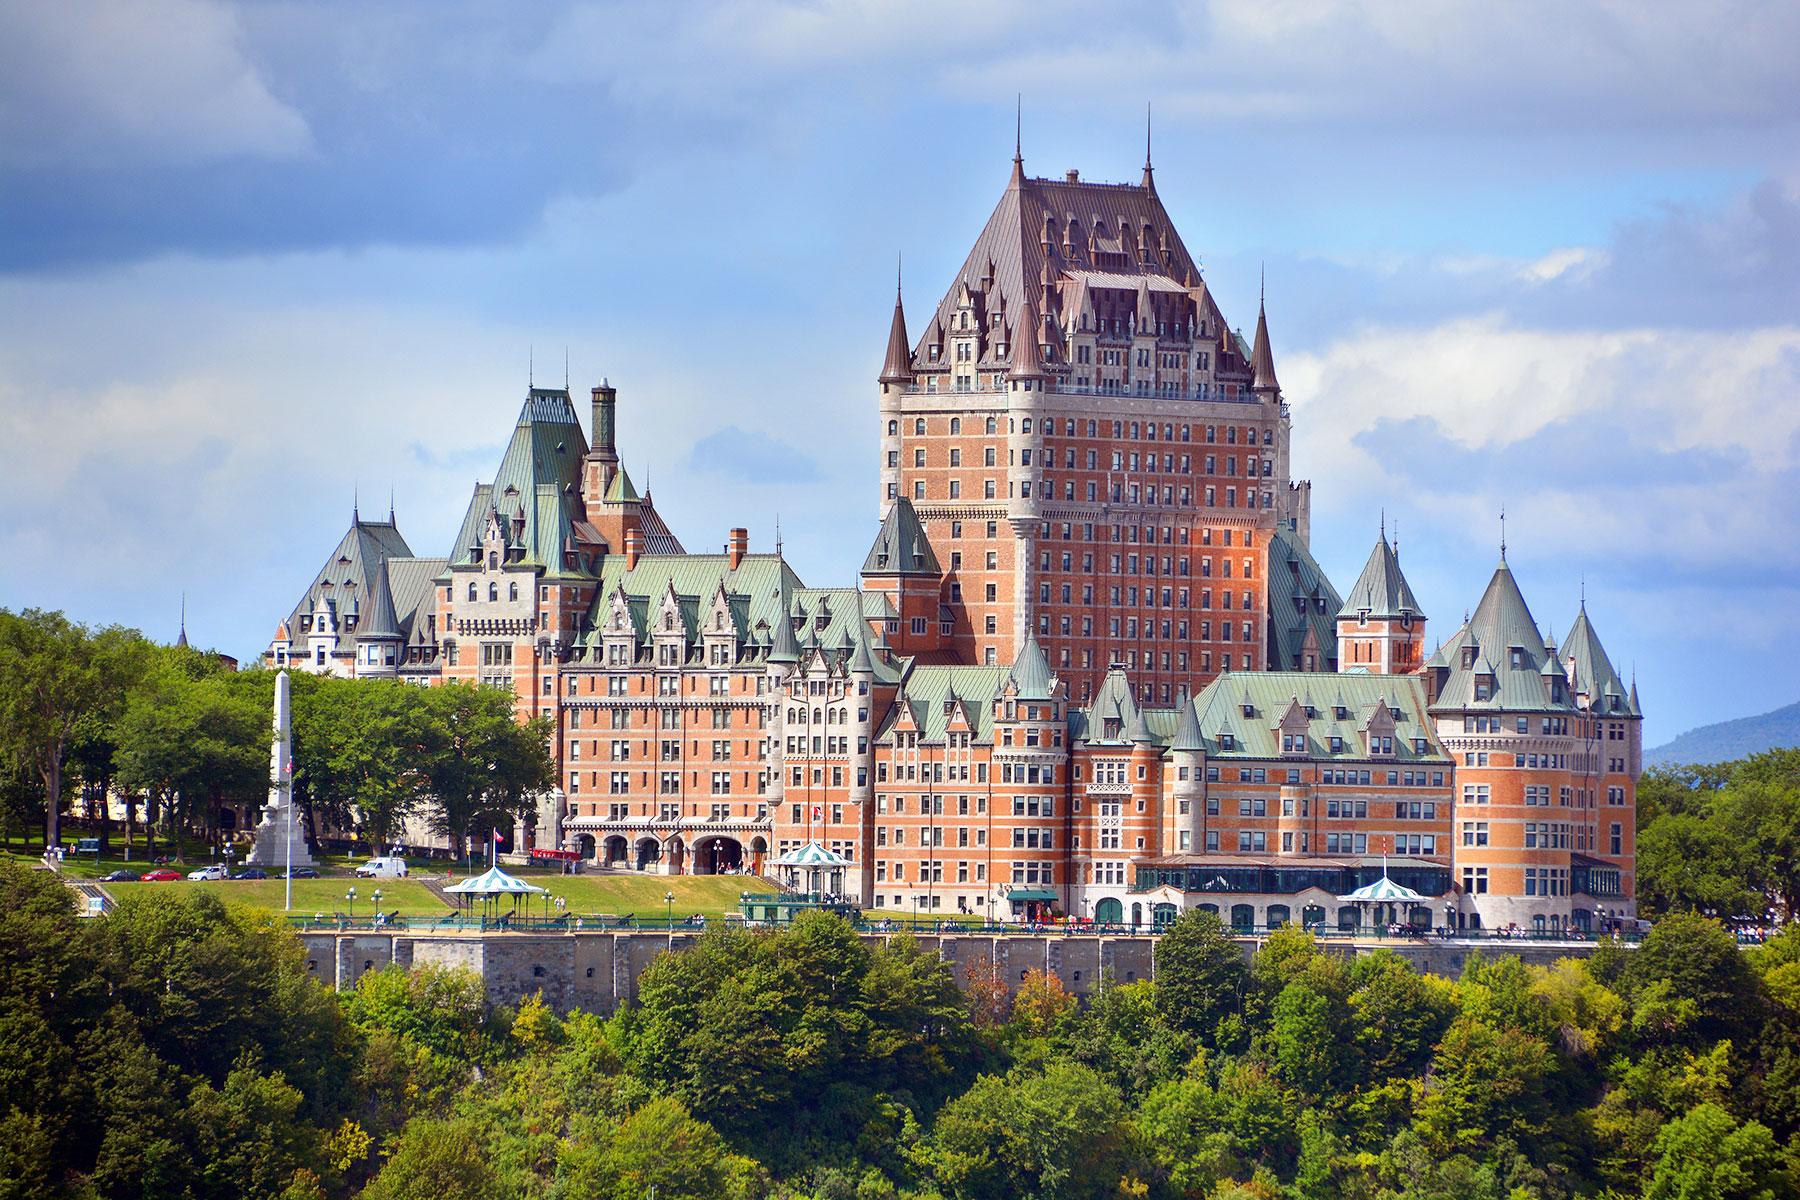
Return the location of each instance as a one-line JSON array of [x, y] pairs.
[[178, 1048]]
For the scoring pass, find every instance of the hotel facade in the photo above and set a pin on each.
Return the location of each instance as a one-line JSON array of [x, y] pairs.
[[1090, 667]]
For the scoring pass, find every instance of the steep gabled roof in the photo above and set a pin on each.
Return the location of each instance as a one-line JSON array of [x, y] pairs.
[[1595, 673], [1302, 605], [901, 547], [1381, 590]]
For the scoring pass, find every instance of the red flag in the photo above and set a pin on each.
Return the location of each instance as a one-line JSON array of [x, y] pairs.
[[497, 837]]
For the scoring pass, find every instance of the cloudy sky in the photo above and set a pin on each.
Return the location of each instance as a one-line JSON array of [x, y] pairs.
[[256, 257]]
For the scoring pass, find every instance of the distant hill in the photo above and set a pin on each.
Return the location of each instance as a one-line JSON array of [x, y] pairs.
[[1730, 739]]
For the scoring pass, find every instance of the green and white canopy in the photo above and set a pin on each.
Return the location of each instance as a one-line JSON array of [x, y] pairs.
[[494, 882], [1383, 891], [812, 855]]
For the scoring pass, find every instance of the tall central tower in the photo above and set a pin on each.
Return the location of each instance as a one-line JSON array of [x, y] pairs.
[[1095, 456]]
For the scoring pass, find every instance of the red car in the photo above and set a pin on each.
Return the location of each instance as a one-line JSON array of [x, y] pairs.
[[161, 875]]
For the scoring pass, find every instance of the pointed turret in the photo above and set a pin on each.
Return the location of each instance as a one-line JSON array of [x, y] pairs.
[[783, 648], [1027, 362], [1381, 590], [1187, 728], [898, 367], [1592, 664], [1031, 673], [1262, 359], [382, 623]]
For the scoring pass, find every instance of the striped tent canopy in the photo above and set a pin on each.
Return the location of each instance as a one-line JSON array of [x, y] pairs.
[[812, 855], [494, 882], [1383, 891]]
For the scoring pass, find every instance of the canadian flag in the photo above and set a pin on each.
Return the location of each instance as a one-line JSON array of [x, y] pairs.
[[818, 813], [497, 838]]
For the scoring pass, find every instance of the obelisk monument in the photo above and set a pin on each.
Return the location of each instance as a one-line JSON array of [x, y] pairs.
[[280, 840]]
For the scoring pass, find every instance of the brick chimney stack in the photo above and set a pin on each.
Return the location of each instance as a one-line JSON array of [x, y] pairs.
[[737, 547], [634, 546]]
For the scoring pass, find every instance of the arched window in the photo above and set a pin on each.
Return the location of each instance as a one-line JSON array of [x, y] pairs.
[[955, 424], [919, 427], [992, 426], [473, 594], [893, 428], [493, 591], [512, 591]]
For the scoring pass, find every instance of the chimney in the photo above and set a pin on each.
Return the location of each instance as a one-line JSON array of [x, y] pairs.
[[634, 546], [1074, 176], [605, 400], [737, 547]]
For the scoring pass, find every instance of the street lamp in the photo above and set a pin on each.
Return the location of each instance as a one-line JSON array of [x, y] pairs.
[[377, 899], [350, 899], [669, 901]]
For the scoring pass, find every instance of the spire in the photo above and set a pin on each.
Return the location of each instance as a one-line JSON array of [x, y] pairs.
[[901, 547], [1262, 359], [1381, 590], [1149, 181], [1018, 170], [898, 367], [181, 637]]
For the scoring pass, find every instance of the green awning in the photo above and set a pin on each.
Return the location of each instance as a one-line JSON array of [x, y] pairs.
[[1020, 895]]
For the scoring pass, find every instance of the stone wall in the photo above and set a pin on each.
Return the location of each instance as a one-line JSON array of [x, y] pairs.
[[596, 971]]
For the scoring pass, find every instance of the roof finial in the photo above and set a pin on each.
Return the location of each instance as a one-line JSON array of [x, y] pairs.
[[390, 504], [899, 272], [1503, 533], [1396, 539], [777, 535], [1384, 524], [1584, 591], [565, 366], [1262, 284], [530, 365], [181, 637], [1146, 137], [355, 504], [1019, 128]]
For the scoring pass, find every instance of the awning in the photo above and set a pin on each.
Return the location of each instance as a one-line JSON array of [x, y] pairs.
[[1021, 895], [812, 855], [1383, 891]]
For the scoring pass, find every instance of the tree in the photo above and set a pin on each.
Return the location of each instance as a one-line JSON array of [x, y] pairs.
[[1485, 1084], [1054, 1135], [1709, 1155], [1701, 966], [661, 1150], [53, 673], [479, 763], [195, 736], [1200, 974], [435, 1160]]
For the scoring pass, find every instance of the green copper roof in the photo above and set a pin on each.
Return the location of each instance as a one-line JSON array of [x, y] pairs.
[[929, 689], [1274, 694], [381, 622], [1501, 650], [1187, 728], [1381, 590], [901, 547], [1595, 673], [1031, 671], [620, 491], [1303, 606]]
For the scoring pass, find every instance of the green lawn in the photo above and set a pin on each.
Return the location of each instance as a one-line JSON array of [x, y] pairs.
[[642, 895], [310, 895]]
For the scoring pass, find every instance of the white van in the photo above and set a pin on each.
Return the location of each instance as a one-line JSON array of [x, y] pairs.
[[387, 866]]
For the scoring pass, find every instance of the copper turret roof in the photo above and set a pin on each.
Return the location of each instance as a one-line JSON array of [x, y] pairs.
[[898, 367], [1262, 359]]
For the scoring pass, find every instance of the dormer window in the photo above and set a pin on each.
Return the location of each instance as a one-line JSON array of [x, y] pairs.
[[1110, 729], [1227, 741], [493, 560], [1518, 657]]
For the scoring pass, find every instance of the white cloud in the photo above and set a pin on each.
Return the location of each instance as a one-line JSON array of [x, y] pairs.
[[103, 83]]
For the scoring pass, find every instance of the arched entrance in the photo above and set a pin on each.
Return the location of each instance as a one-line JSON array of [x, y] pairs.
[[718, 856], [618, 852], [1277, 916], [584, 845], [1312, 916], [1109, 911], [1163, 914], [1243, 918], [649, 853], [759, 855], [676, 852], [1137, 913]]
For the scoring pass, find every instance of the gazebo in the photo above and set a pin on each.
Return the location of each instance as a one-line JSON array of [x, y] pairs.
[[492, 886], [1386, 895], [818, 865]]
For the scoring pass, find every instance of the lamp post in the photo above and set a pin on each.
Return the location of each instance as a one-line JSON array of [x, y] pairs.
[[350, 899], [669, 901], [377, 899]]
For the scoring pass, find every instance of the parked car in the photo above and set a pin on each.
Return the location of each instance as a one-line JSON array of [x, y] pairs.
[[250, 873], [303, 873], [160, 875], [119, 876], [215, 871], [383, 867]]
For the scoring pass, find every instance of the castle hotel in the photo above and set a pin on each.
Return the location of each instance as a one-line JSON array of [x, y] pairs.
[[1090, 667]]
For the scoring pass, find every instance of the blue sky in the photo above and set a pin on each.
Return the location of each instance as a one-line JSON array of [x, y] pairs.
[[1538, 256]]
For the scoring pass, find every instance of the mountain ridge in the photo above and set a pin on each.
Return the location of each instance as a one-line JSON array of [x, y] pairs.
[[1726, 740]]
